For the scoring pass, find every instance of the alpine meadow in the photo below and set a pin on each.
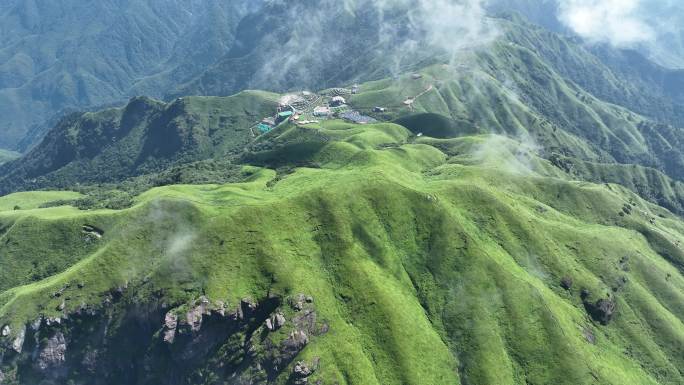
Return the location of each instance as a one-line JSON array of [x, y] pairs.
[[350, 192]]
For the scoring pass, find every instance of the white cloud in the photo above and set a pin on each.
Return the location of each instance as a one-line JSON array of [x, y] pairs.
[[618, 22], [401, 32], [453, 25]]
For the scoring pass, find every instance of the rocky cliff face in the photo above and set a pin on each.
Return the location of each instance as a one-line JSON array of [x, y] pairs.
[[197, 342]]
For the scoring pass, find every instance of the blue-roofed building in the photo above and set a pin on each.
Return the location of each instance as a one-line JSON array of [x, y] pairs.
[[264, 128]]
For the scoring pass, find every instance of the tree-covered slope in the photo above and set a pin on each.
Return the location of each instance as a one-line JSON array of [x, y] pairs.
[[6, 156], [420, 260], [145, 136]]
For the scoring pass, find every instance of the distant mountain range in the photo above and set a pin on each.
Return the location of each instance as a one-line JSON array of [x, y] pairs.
[[63, 56], [551, 79], [96, 54]]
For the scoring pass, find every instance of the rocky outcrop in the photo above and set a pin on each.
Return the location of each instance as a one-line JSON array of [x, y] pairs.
[[302, 371], [296, 341], [275, 322], [91, 232], [170, 325], [197, 312], [299, 301], [53, 353], [194, 316], [18, 343], [566, 283], [603, 310], [246, 309]]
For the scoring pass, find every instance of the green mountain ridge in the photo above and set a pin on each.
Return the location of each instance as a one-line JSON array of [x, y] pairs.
[[423, 267], [513, 214], [166, 49], [507, 89]]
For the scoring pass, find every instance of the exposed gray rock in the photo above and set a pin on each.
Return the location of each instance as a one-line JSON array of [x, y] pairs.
[[171, 320], [279, 320], [18, 344], [36, 324], [298, 302], [220, 308], [302, 370], [170, 326], [606, 309], [2, 376], [6, 331], [275, 322], [54, 355], [54, 352], [296, 341], [589, 335], [602, 310], [204, 305], [194, 318], [53, 321], [305, 320]]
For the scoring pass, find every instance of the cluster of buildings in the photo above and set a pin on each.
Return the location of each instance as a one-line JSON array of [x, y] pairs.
[[307, 107]]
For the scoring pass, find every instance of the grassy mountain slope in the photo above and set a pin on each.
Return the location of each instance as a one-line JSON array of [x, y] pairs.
[[330, 46], [507, 89], [510, 89], [529, 77], [620, 77], [430, 261], [509, 222], [649, 183], [665, 49]]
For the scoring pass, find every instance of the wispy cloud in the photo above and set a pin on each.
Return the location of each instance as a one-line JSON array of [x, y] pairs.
[[621, 23], [326, 35], [453, 25]]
